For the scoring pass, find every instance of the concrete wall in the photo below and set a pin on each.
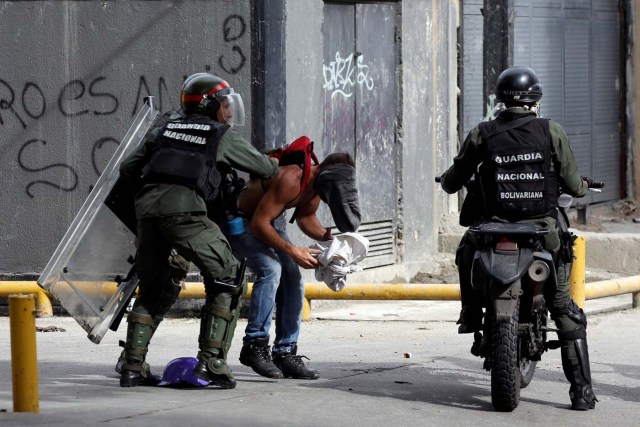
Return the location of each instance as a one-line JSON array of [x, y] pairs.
[[69, 90], [427, 119], [429, 136], [304, 83], [73, 76], [304, 60]]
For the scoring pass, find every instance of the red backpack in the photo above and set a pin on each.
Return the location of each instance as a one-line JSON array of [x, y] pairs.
[[299, 152]]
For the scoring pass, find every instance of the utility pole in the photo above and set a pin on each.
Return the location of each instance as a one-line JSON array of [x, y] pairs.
[[498, 43]]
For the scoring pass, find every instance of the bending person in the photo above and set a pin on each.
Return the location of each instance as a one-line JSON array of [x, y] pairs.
[[276, 261]]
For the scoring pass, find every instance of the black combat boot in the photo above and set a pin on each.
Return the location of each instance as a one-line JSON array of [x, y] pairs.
[[134, 378], [582, 397], [470, 319], [218, 322], [216, 371], [579, 375], [292, 365], [256, 354], [131, 366]]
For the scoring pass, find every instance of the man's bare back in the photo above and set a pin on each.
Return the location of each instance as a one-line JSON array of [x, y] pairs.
[[264, 201], [288, 183]]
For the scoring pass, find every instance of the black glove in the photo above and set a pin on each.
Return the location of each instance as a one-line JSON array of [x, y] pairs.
[[588, 180]]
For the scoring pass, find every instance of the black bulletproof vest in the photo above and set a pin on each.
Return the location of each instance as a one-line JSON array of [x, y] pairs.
[[184, 153], [518, 178]]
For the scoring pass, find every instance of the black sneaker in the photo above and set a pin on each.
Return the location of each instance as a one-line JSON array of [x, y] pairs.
[[292, 366], [256, 354]]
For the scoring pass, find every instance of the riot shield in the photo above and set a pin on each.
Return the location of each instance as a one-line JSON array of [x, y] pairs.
[[91, 271]]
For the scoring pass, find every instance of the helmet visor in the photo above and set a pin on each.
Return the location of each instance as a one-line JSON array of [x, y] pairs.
[[232, 109]]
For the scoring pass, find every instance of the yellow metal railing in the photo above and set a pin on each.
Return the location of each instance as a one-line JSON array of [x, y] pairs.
[[42, 302], [362, 291], [578, 289]]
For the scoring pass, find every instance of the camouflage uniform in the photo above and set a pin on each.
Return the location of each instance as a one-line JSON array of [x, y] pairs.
[[172, 216]]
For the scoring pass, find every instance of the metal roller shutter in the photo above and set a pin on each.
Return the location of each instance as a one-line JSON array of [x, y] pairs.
[[574, 46]]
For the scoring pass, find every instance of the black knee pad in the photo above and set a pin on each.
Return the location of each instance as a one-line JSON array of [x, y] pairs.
[[577, 314], [570, 327], [569, 330], [570, 310]]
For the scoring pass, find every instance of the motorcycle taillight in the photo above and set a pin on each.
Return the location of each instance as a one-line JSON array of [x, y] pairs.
[[506, 244]]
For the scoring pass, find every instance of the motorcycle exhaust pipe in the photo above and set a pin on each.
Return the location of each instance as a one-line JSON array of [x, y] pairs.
[[539, 271]]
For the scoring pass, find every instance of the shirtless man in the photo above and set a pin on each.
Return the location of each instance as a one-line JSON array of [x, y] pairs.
[[275, 260]]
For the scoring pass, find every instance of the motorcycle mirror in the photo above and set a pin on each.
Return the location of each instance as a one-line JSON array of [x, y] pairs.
[[565, 200]]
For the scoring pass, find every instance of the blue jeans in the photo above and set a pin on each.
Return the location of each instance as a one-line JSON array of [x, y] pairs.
[[278, 285]]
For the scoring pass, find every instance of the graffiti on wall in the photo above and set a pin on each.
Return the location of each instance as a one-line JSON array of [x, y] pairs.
[[25, 106], [492, 108], [233, 29], [341, 75]]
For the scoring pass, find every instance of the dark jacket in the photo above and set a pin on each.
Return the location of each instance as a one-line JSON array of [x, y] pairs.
[[169, 199], [474, 151]]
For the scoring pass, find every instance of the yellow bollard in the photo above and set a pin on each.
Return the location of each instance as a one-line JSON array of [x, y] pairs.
[[578, 270], [23, 353], [306, 309]]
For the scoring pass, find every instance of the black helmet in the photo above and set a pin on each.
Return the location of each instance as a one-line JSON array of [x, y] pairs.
[[203, 93], [518, 84]]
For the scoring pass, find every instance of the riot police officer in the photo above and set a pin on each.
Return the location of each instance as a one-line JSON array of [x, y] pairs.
[[177, 171], [519, 161]]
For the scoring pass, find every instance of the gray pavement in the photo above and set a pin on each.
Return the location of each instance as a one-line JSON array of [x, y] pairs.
[[391, 363], [366, 378]]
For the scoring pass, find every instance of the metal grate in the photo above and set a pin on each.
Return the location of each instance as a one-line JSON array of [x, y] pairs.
[[381, 243]]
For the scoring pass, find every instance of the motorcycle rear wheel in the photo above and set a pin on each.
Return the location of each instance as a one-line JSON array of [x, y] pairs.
[[505, 369]]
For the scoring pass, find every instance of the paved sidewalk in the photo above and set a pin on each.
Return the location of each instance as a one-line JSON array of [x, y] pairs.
[[428, 311], [365, 379]]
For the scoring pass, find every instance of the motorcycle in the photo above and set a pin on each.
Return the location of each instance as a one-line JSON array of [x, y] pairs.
[[510, 270]]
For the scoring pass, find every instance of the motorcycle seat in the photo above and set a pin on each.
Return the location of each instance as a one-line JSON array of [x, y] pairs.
[[509, 228]]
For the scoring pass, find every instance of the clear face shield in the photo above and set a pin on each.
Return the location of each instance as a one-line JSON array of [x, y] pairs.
[[231, 109]]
